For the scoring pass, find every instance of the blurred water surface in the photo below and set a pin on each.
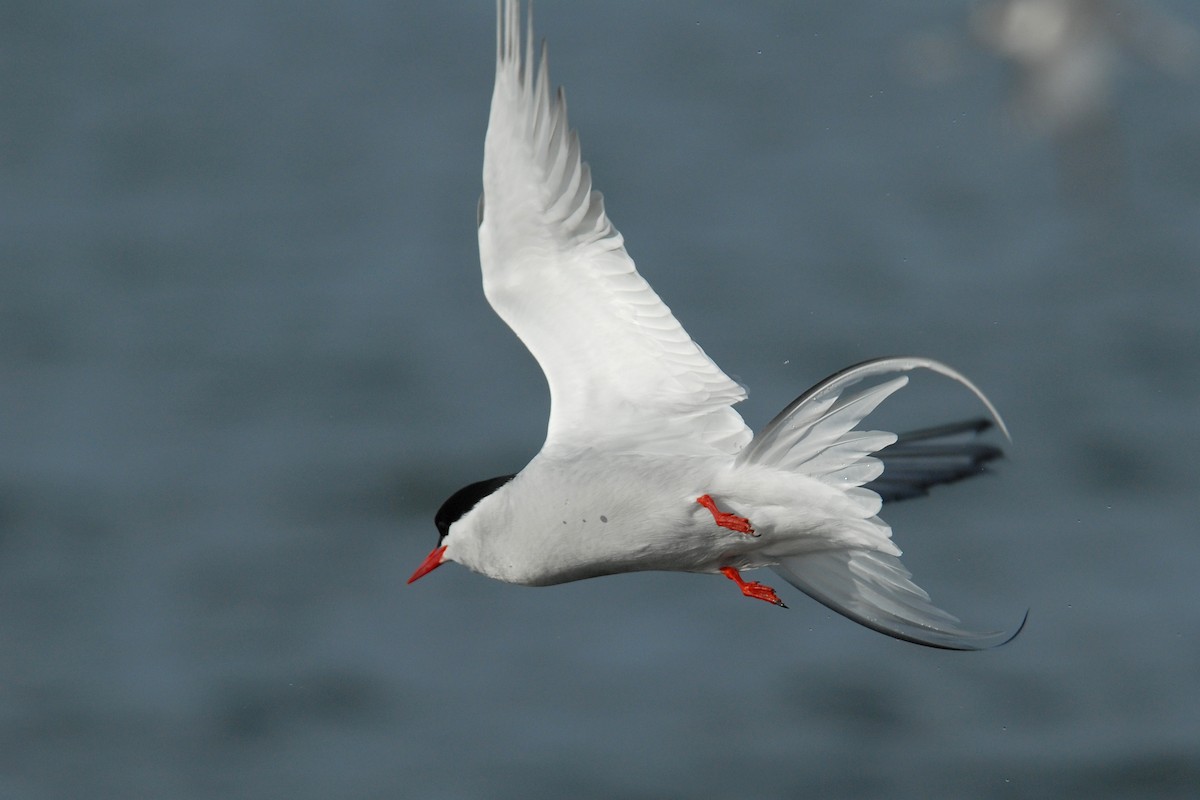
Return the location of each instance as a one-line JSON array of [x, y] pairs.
[[244, 356]]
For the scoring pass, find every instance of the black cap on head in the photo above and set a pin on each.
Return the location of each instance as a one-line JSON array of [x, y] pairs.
[[464, 500]]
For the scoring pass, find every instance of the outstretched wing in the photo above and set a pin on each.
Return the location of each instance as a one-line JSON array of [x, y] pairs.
[[622, 371]]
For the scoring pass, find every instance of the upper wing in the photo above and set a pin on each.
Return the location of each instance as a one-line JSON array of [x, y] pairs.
[[622, 370]]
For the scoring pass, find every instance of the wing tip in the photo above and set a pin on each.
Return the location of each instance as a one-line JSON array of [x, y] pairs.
[[921, 459]]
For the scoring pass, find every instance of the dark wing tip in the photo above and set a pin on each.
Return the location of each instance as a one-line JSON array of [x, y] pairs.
[[919, 460]]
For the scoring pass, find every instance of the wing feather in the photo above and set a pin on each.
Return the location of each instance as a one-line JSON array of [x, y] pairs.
[[622, 371]]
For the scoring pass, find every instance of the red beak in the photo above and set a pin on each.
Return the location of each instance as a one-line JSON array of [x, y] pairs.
[[431, 562]]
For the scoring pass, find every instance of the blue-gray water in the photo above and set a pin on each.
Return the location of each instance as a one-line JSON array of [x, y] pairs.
[[244, 355]]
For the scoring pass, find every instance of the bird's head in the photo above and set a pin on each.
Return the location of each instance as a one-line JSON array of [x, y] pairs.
[[455, 507]]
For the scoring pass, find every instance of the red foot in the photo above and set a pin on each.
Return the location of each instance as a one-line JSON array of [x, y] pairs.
[[726, 520], [753, 588]]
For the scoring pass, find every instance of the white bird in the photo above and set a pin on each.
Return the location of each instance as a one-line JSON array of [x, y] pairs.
[[646, 465]]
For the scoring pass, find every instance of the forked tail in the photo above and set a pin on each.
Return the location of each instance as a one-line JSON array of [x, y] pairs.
[[817, 435]]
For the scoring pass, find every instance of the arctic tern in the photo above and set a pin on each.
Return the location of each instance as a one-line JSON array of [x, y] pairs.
[[646, 465]]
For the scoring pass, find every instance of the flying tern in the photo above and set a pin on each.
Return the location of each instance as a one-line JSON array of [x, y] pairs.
[[646, 465]]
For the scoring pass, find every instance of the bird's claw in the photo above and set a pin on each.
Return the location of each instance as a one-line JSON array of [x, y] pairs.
[[753, 589], [761, 591], [726, 520]]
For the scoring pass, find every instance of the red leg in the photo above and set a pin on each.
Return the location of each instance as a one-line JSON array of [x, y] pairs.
[[752, 588], [724, 519]]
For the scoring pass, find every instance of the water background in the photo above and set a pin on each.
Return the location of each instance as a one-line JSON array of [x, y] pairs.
[[244, 355]]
